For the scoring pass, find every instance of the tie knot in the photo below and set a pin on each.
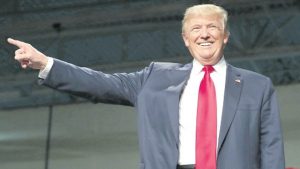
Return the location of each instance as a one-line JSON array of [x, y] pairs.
[[208, 68]]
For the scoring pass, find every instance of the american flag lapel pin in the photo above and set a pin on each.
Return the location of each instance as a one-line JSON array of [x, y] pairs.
[[238, 81]]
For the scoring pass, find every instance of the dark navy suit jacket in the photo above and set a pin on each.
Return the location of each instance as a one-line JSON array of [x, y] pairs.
[[250, 134]]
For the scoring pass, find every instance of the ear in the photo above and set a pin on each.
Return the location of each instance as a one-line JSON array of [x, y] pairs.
[[185, 39], [226, 37]]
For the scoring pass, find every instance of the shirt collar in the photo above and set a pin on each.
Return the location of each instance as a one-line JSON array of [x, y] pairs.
[[219, 67]]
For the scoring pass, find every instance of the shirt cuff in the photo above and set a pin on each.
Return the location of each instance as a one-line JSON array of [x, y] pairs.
[[44, 73]]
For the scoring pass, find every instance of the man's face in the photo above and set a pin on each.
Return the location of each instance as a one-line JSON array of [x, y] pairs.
[[205, 38]]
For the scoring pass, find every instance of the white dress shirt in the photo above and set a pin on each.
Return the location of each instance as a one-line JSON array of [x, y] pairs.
[[188, 108]]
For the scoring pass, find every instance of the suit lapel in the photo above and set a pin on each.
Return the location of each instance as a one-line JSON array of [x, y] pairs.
[[231, 99]]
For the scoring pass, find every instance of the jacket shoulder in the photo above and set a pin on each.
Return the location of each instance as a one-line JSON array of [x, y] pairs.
[[248, 74], [169, 66]]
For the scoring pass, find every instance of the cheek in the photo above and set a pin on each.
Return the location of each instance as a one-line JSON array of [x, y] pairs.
[[189, 41]]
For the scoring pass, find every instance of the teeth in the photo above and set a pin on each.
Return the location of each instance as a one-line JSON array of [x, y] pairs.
[[205, 44]]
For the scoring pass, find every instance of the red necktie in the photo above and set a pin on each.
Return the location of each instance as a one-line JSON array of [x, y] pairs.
[[206, 128]]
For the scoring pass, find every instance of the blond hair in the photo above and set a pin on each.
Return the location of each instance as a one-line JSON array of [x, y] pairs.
[[205, 10]]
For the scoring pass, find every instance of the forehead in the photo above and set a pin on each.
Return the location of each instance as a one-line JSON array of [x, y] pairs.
[[204, 19]]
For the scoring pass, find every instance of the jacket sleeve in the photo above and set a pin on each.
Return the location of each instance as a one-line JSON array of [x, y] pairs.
[[271, 145], [96, 86]]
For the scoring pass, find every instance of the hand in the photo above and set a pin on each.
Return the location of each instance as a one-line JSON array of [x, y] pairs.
[[28, 56]]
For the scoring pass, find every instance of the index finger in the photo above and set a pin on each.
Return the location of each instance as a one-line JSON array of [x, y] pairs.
[[17, 43]]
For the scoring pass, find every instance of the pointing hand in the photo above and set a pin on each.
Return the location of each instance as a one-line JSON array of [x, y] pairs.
[[28, 56]]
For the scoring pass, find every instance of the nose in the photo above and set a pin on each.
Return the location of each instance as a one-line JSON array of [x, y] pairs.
[[205, 33]]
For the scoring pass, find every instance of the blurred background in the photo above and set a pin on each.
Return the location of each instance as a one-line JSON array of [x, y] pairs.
[[41, 128]]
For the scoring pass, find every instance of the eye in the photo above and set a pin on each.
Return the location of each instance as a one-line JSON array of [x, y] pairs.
[[196, 29], [212, 27]]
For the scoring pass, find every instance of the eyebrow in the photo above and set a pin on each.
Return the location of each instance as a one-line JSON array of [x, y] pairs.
[[210, 24]]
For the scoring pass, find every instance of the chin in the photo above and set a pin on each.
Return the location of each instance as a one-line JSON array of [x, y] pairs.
[[206, 57]]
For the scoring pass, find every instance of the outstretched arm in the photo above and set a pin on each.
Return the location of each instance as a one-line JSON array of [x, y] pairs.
[[118, 88]]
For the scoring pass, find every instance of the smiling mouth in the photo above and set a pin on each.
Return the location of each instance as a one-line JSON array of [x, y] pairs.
[[205, 44]]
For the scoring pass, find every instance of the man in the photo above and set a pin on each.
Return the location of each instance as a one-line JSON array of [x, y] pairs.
[[174, 101]]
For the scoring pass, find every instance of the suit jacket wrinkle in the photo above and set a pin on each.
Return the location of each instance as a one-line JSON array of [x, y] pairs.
[[250, 135]]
